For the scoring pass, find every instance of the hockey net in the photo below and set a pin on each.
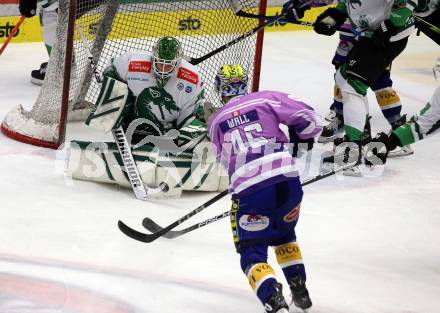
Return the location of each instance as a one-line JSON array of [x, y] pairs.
[[113, 27]]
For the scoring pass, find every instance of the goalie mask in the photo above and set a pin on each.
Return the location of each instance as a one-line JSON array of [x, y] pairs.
[[231, 80], [167, 54]]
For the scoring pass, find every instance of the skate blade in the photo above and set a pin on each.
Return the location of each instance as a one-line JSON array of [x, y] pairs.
[[352, 171], [294, 309], [400, 152], [326, 139], [37, 82]]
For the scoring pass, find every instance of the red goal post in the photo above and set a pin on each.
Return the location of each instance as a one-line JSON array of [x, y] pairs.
[[114, 27]]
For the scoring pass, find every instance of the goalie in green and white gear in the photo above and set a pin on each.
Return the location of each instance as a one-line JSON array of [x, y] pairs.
[[166, 93], [157, 97]]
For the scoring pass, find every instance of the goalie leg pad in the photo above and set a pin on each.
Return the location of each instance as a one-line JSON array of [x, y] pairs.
[[114, 101], [101, 162]]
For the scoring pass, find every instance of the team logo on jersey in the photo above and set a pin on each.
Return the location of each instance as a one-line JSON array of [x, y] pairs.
[[139, 66], [292, 215], [188, 89], [180, 86], [253, 222], [188, 75], [235, 113]]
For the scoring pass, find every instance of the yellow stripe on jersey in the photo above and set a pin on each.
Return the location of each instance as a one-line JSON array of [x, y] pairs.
[[288, 254], [259, 273]]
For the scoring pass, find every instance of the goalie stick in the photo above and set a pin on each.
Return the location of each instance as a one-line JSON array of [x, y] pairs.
[[139, 189], [152, 226], [134, 234]]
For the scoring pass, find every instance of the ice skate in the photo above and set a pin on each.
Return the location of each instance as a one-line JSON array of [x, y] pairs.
[[37, 76], [300, 294], [330, 132], [277, 303]]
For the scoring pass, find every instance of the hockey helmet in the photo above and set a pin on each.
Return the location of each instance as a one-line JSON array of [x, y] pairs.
[[231, 80], [167, 54]]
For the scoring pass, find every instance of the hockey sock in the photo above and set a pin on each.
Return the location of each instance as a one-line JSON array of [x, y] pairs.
[[389, 102], [262, 279], [290, 260]]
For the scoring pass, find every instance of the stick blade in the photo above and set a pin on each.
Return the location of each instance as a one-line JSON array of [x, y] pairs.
[[136, 235], [153, 227]]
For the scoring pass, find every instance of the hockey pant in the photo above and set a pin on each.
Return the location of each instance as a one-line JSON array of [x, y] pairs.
[[365, 65], [387, 97], [424, 124], [268, 218]]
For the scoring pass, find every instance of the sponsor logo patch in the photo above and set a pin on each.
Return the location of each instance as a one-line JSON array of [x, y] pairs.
[[292, 215], [180, 86], [188, 75], [139, 66], [188, 89], [253, 222]]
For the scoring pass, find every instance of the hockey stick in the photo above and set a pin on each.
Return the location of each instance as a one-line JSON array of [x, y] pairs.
[[195, 61], [14, 30], [134, 234], [139, 189], [431, 26], [152, 226], [238, 10]]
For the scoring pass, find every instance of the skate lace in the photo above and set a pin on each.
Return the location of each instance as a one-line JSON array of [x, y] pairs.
[[43, 69], [334, 124]]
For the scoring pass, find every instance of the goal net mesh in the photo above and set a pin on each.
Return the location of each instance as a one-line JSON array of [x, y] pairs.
[[113, 27]]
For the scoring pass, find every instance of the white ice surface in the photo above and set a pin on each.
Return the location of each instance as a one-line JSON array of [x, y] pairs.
[[370, 245]]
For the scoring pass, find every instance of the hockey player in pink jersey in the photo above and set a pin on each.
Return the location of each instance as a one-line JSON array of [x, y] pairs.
[[265, 188]]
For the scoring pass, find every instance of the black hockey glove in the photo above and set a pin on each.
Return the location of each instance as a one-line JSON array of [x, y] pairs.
[[382, 35], [379, 147], [28, 8], [329, 21], [294, 11], [300, 146]]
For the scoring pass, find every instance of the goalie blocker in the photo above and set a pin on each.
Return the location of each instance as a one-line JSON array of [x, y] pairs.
[[178, 159]]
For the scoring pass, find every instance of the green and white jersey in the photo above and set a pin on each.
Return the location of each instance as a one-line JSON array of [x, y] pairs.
[[424, 124], [426, 7], [367, 15], [172, 105]]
